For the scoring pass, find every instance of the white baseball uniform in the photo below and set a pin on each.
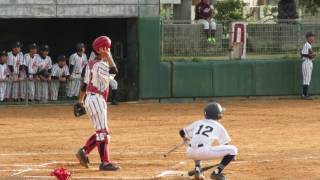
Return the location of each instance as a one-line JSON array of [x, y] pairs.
[[307, 65], [58, 72], [97, 80], [44, 63], [92, 56], [113, 82], [78, 62], [207, 24], [32, 64], [4, 72], [17, 89], [202, 134]]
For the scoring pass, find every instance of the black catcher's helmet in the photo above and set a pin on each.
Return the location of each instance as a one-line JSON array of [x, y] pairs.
[[213, 111]]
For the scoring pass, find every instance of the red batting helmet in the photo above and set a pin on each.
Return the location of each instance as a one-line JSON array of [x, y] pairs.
[[101, 42]]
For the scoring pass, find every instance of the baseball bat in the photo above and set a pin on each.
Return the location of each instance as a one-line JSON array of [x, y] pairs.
[[174, 149], [206, 168]]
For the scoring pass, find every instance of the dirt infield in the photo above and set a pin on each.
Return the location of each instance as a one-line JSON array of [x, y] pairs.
[[277, 139]]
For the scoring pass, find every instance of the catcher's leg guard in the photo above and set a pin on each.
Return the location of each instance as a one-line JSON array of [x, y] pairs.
[[102, 139]]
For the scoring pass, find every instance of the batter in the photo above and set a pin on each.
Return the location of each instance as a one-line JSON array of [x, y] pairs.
[[200, 136]]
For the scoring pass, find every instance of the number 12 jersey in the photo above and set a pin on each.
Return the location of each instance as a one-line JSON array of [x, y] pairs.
[[205, 132]]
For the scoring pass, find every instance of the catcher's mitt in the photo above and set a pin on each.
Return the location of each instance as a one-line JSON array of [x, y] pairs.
[[78, 110]]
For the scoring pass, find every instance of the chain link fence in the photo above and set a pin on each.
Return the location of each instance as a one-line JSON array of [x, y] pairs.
[[44, 92], [281, 39]]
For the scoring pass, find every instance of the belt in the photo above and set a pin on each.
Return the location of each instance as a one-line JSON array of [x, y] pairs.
[[199, 145], [93, 94]]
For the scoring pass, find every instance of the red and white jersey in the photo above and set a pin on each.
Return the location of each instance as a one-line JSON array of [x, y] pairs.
[[97, 78], [58, 71], [45, 63], [93, 56], [16, 61], [32, 63], [206, 132], [4, 71], [78, 62]]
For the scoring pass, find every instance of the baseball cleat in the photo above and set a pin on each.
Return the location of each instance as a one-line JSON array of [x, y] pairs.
[[198, 174], [83, 159], [307, 97], [108, 167], [220, 176]]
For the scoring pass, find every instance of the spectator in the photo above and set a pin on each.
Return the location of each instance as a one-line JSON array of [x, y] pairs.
[[203, 15], [287, 11]]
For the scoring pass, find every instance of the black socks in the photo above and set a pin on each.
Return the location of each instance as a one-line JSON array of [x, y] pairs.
[[305, 90], [225, 161]]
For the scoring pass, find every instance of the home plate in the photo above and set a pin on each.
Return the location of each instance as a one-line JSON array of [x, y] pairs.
[[172, 173]]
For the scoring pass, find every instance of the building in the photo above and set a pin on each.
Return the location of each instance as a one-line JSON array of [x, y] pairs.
[[63, 23]]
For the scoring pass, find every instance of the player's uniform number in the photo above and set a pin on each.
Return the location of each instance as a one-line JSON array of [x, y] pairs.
[[204, 130]]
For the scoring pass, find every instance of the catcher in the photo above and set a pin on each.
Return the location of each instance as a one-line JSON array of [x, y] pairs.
[[96, 89], [201, 134]]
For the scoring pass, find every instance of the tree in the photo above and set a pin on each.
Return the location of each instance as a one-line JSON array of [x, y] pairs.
[[311, 6], [229, 10]]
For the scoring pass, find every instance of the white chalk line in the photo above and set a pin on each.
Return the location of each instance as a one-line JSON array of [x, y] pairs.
[[48, 170], [167, 173], [30, 169], [68, 153], [98, 177]]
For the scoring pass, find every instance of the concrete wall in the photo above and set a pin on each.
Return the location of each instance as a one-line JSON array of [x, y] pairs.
[[78, 8]]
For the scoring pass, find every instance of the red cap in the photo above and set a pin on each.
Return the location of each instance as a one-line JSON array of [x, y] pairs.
[[101, 42]]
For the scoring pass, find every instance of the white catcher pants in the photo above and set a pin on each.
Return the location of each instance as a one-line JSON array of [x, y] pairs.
[[96, 107], [211, 152], [307, 67]]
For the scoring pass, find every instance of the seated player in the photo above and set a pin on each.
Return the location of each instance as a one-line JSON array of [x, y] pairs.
[[4, 75], [60, 74], [200, 136], [203, 15]]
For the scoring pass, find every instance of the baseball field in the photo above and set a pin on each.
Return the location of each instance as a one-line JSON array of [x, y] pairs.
[[277, 139]]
